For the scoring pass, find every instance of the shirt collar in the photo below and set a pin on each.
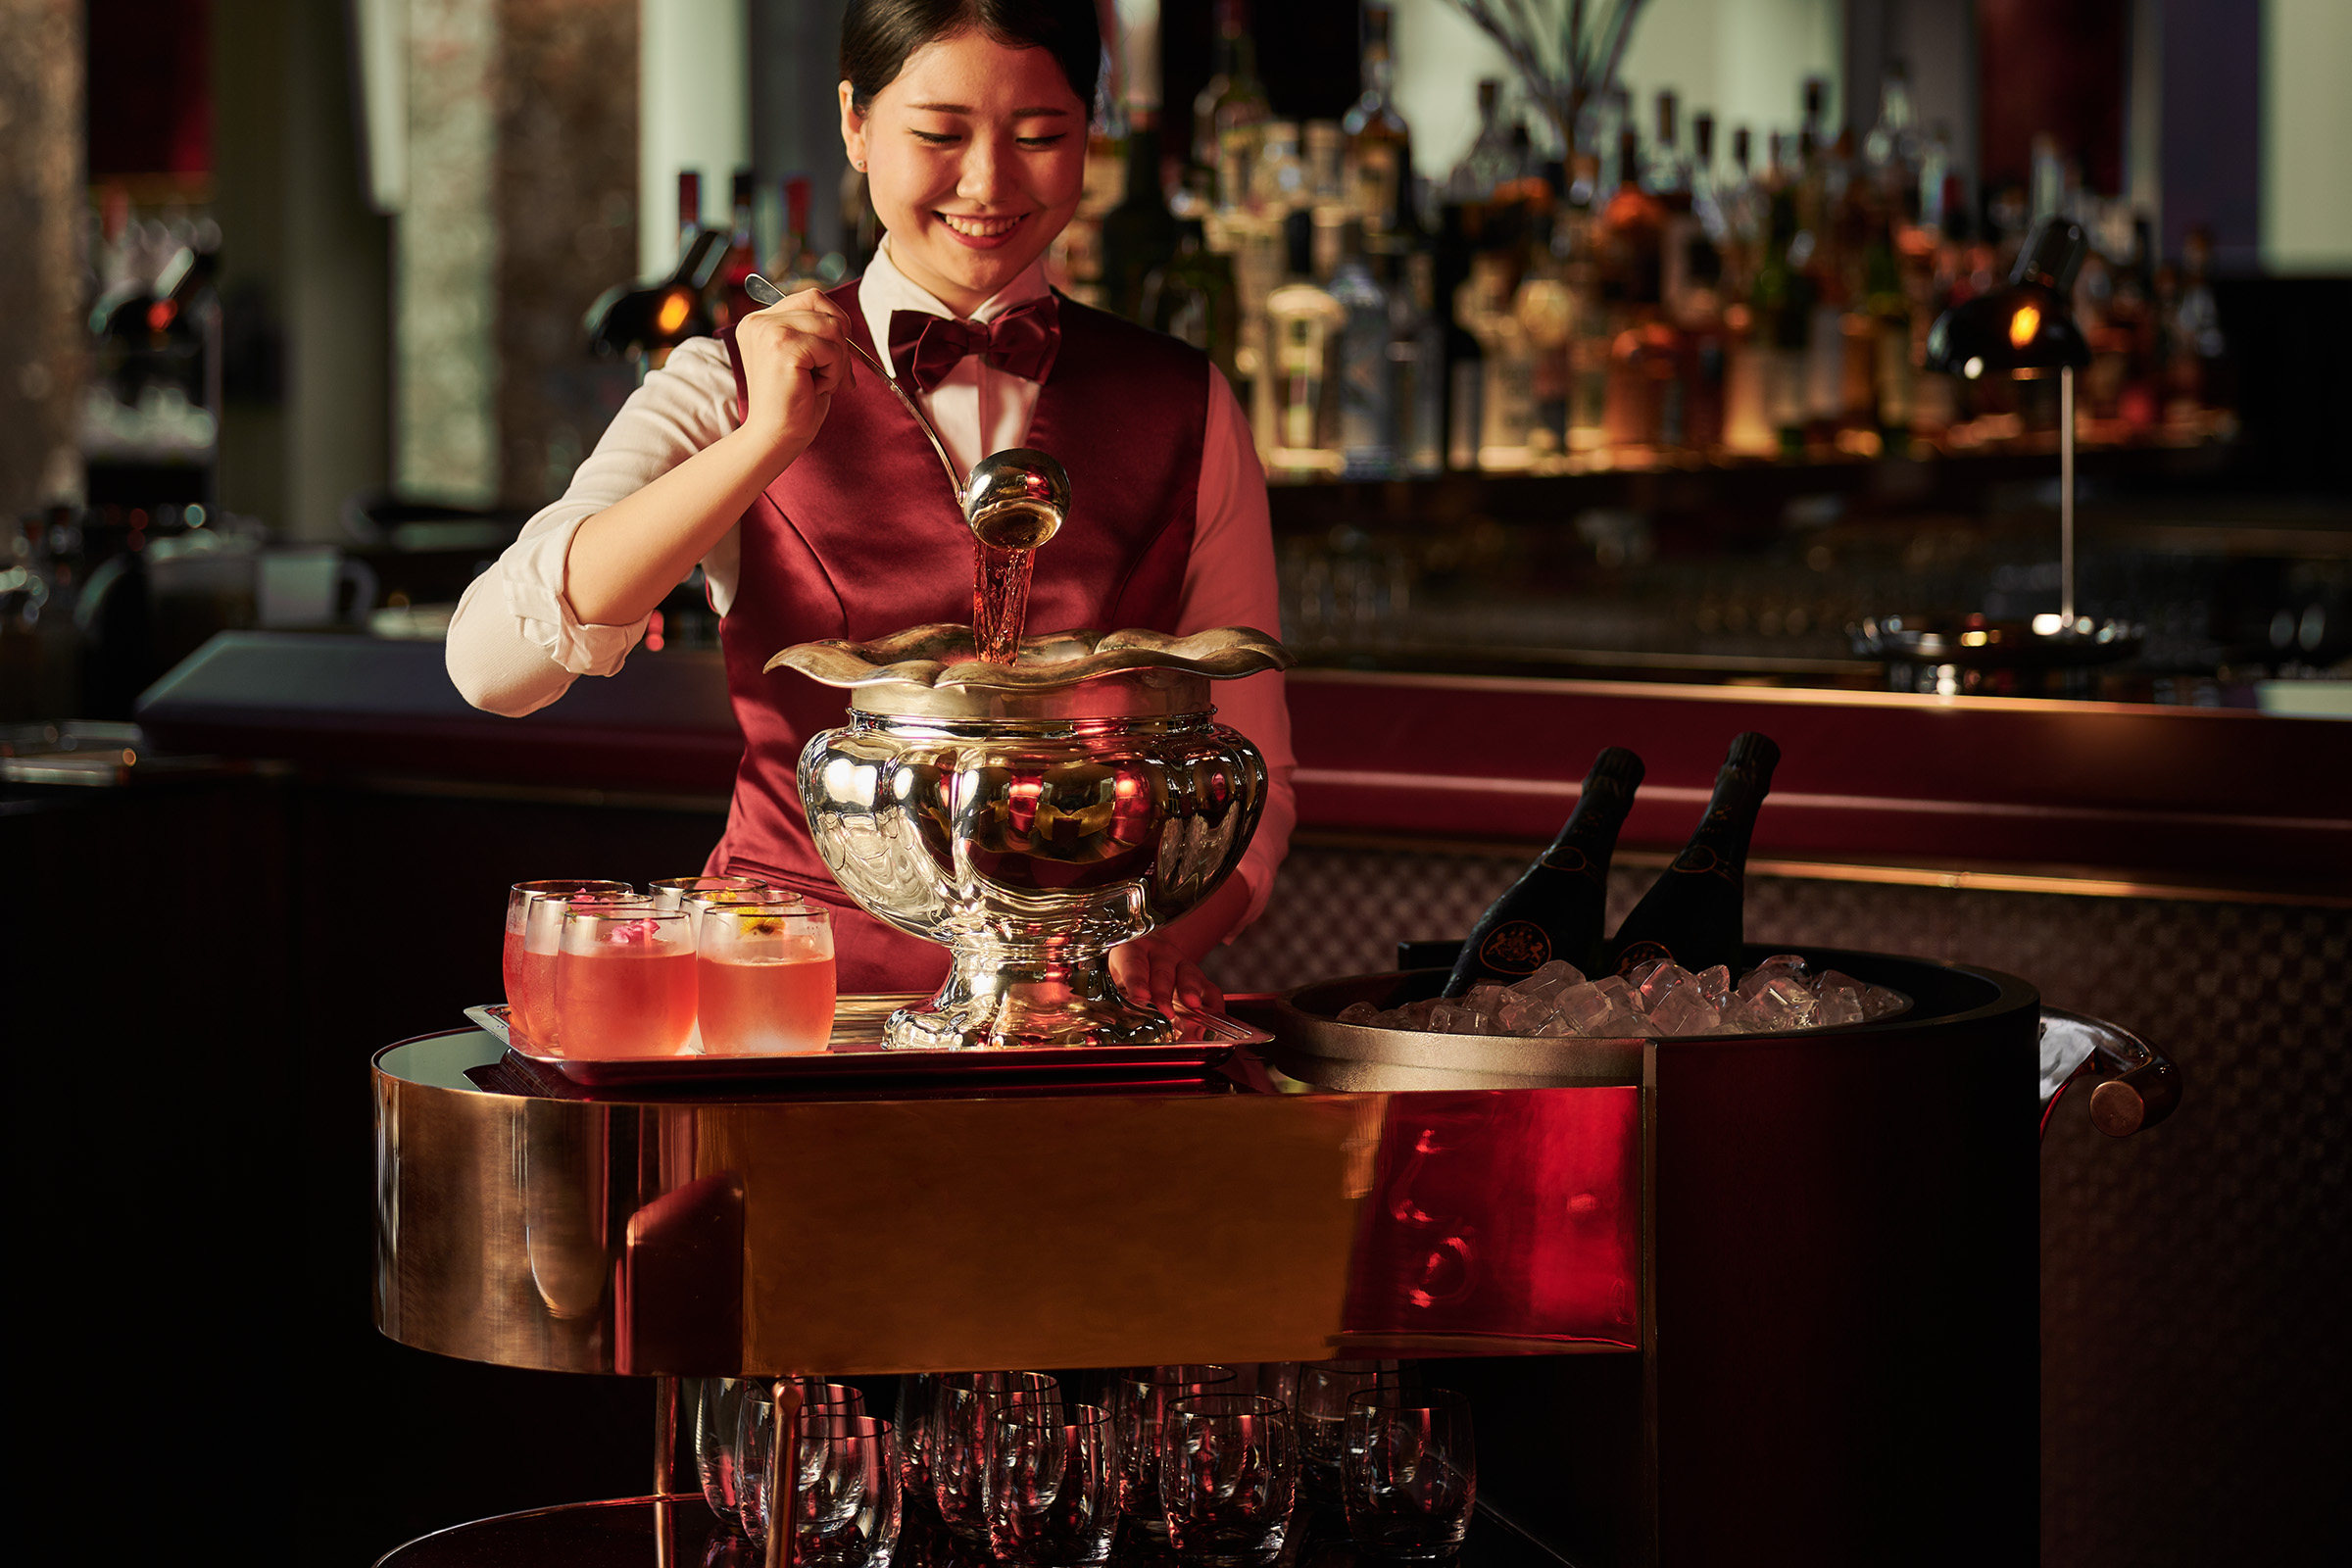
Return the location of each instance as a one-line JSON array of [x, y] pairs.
[[884, 288]]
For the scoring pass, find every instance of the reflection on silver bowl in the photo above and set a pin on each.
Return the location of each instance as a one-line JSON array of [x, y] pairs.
[[1030, 818]]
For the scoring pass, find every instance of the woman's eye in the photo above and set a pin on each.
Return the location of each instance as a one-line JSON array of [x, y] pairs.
[[936, 139], [1041, 142]]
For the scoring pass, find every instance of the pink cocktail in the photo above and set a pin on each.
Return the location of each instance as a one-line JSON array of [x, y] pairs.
[[533, 1015], [764, 980], [624, 982], [519, 899]]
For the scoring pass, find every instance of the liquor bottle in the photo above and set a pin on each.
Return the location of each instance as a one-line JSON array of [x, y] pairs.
[[1230, 107], [689, 206], [647, 321], [1367, 433], [1559, 907], [1304, 328], [1417, 352], [1140, 233], [1485, 303], [1692, 914], [1490, 160], [1380, 146], [1546, 310], [741, 258], [1192, 297]]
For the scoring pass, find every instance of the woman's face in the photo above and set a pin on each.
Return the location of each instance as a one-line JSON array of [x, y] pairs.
[[975, 156]]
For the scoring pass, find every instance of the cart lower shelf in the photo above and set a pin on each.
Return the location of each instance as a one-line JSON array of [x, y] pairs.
[[629, 1532]]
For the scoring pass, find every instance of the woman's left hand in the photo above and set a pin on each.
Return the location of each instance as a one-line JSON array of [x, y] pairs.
[[1154, 972]]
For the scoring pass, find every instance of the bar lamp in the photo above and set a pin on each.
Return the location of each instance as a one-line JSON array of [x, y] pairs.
[[2027, 329]]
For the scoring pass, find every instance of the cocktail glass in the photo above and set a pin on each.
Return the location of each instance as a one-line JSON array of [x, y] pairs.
[[532, 1008], [518, 903], [624, 982], [764, 979]]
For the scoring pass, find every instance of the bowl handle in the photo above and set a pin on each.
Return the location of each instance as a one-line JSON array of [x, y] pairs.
[[2140, 1088]]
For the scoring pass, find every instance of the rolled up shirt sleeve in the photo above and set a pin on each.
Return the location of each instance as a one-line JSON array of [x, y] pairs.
[[516, 643], [1229, 581]]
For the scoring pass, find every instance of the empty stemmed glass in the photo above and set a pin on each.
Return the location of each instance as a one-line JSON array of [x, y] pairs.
[[1228, 1476], [965, 1406], [1139, 1402], [1052, 1489], [1409, 1472]]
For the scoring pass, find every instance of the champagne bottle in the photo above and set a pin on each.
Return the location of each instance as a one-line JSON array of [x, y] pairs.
[[1559, 907], [1691, 915]]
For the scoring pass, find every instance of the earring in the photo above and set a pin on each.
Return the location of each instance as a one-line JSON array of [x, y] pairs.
[[858, 163]]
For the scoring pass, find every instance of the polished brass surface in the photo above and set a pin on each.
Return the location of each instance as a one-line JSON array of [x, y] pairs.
[[1030, 816], [721, 1237]]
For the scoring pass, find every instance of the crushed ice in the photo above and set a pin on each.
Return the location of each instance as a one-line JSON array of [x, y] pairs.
[[1654, 998]]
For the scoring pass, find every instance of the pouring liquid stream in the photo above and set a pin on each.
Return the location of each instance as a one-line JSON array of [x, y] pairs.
[[1000, 599]]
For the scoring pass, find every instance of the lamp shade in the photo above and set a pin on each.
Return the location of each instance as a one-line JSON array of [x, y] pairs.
[[2025, 326]]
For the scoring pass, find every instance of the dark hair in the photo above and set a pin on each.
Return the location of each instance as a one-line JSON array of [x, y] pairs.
[[878, 35]]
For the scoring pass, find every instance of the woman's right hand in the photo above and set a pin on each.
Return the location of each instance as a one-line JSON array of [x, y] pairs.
[[795, 355]]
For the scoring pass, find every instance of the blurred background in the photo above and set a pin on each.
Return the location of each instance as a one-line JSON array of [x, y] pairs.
[[314, 305]]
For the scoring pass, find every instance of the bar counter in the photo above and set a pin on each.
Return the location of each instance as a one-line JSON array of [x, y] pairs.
[[1950, 791]]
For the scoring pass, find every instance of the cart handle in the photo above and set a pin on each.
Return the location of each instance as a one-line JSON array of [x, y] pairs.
[[2140, 1087]]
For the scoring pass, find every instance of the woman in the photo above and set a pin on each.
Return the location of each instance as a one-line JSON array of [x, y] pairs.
[[816, 509]]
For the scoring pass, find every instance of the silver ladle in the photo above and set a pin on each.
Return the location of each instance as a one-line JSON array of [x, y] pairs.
[[1015, 499]]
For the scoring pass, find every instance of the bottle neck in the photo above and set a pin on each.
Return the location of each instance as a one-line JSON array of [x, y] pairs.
[[1720, 842], [1584, 842]]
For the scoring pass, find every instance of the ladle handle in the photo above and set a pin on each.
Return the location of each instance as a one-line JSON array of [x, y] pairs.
[[764, 294]]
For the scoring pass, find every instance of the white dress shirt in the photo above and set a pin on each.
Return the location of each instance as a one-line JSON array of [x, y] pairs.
[[515, 644]]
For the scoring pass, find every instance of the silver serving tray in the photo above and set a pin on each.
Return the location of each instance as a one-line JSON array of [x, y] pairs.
[[855, 1051]]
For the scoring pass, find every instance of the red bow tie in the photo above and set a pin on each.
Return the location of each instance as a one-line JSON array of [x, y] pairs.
[[1022, 342]]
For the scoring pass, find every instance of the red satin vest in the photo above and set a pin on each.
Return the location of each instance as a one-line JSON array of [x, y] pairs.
[[861, 537]]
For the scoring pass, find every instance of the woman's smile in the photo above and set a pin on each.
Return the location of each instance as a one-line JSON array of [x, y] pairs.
[[981, 232]]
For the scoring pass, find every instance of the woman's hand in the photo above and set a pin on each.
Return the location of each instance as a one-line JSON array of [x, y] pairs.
[[1154, 972], [795, 355]]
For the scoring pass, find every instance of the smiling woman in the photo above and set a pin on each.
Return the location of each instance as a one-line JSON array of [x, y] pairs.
[[811, 500], [974, 142]]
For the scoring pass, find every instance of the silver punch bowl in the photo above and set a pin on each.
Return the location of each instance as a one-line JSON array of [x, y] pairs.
[[1031, 817]]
